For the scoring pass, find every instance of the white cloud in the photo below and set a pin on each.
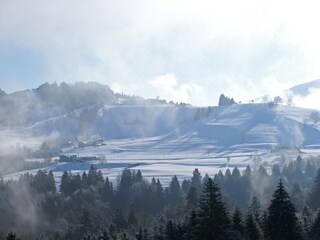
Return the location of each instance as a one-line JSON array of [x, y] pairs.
[[240, 48], [168, 88], [311, 100], [129, 88]]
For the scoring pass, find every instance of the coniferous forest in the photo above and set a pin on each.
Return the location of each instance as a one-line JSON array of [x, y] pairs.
[[278, 203]]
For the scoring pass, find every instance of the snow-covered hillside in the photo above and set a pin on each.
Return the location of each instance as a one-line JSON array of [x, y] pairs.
[[225, 126], [120, 121], [167, 140]]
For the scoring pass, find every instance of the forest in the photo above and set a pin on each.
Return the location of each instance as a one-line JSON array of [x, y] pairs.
[[257, 203]]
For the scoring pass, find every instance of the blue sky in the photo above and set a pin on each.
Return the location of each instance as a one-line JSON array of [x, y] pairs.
[[187, 51]]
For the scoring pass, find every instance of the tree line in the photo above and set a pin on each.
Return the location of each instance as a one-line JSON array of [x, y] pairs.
[[252, 204]]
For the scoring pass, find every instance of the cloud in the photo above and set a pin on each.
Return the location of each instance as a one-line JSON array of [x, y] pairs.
[[311, 100], [129, 43], [169, 88], [165, 86]]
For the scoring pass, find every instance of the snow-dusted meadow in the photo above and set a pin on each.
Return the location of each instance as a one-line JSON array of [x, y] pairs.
[[168, 140]]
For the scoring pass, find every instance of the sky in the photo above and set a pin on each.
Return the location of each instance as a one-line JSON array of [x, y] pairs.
[[189, 51]]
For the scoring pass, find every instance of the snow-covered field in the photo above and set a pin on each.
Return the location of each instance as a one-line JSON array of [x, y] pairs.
[[169, 140]]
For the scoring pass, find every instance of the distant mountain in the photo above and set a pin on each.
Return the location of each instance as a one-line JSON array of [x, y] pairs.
[[304, 89]]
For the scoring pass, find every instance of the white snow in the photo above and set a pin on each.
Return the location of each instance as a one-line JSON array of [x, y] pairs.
[[165, 140]]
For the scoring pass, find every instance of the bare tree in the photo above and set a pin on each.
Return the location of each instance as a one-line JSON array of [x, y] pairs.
[[277, 100], [315, 117]]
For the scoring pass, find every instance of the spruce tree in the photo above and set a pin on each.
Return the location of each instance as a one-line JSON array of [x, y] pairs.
[[191, 225], [297, 196], [157, 198], [196, 180], [76, 182], [314, 199], [87, 225], [315, 230], [51, 183], [132, 218], [185, 186], [252, 228], [94, 176], [123, 194], [246, 183], [65, 184], [11, 236], [118, 219], [171, 231], [146, 235], [107, 191], [192, 198], [205, 179], [281, 222], [103, 235], [84, 181], [255, 209], [174, 191], [138, 177], [237, 226], [306, 221], [236, 191], [213, 221], [139, 235]]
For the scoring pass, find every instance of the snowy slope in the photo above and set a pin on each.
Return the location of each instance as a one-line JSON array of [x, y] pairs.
[[167, 140], [225, 126], [116, 122]]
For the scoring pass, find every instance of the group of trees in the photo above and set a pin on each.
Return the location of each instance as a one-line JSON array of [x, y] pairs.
[[12, 159], [231, 205], [32, 105], [202, 112], [223, 100], [74, 96]]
